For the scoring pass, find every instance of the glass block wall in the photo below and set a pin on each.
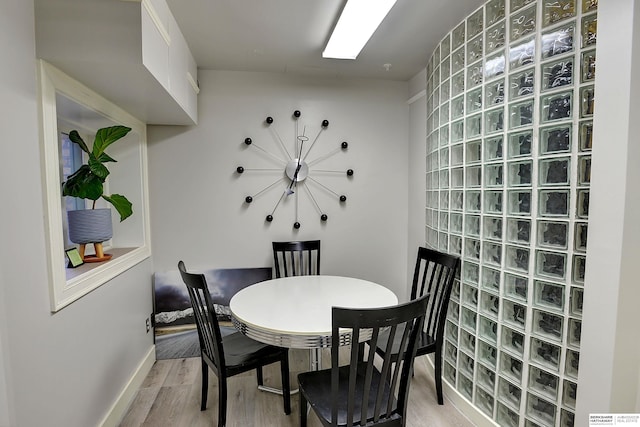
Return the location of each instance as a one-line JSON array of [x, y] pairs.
[[510, 102]]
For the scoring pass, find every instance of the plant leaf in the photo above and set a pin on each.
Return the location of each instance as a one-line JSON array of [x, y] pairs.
[[83, 184], [74, 136], [122, 205], [98, 168], [107, 136], [104, 158]]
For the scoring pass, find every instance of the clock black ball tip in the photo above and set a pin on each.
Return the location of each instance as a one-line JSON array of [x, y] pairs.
[[343, 198], [248, 141], [296, 225], [296, 113], [349, 172], [344, 145], [324, 217], [239, 169], [269, 120], [248, 199], [269, 218], [325, 123]]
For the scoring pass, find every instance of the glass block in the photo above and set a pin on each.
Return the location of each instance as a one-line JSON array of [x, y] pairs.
[[515, 287], [474, 100], [449, 373], [475, 24], [486, 377], [493, 148], [444, 158], [474, 50], [493, 202], [543, 382], [589, 5], [453, 312], [472, 225], [518, 4], [473, 176], [557, 41], [518, 231], [444, 221], [551, 264], [456, 200], [495, 38], [580, 237], [513, 314], [523, 22], [471, 251], [494, 121], [541, 409], [557, 11], [444, 178], [529, 423], [519, 202], [470, 274], [445, 46], [457, 131], [494, 12], [522, 54], [450, 352], [587, 101], [586, 136], [455, 223], [575, 332], [556, 106], [519, 173], [548, 295], [554, 203], [511, 367], [521, 84], [576, 301], [435, 57], [589, 30], [582, 210], [455, 245], [554, 171], [492, 229], [579, 265], [451, 331], [487, 354], [557, 74], [475, 75], [445, 72], [545, 353], [442, 241], [547, 325], [484, 401], [569, 391], [457, 107], [553, 234], [473, 201], [490, 278], [493, 175], [444, 135], [494, 66], [517, 259], [572, 363], [494, 93], [468, 319], [588, 66], [444, 95], [474, 126], [467, 341], [520, 144], [488, 330], [510, 394], [458, 36], [466, 365], [512, 340], [521, 114], [465, 386], [492, 254], [457, 85], [455, 292], [556, 139], [567, 418], [457, 64], [457, 178]]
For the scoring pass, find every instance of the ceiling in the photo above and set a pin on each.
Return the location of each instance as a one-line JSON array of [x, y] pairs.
[[289, 35]]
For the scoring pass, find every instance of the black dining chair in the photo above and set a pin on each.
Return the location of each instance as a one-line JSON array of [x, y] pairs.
[[296, 258], [361, 391], [434, 274], [229, 355]]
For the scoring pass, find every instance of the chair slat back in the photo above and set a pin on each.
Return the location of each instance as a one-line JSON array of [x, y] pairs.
[[380, 391], [434, 274], [205, 315], [296, 258]]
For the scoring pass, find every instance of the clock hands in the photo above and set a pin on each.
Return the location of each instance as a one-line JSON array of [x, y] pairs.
[[289, 190]]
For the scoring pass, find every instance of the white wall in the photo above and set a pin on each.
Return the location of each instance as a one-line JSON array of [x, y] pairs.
[[610, 349], [68, 368], [198, 212]]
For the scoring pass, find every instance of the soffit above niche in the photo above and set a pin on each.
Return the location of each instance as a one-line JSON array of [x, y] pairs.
[[99, 43]]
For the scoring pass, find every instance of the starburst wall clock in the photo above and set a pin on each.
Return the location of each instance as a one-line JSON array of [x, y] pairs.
[[297, 173]]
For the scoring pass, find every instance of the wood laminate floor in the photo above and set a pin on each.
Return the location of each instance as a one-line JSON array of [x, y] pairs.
[[170, 396]]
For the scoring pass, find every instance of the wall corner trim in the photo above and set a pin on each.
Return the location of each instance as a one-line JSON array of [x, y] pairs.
[[417, 96]]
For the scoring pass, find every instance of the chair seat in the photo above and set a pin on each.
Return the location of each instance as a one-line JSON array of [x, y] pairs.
[[426, 344], [241, 351], [316, 386]]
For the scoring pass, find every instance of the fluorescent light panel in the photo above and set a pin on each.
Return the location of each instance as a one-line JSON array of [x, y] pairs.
[[357, 23]]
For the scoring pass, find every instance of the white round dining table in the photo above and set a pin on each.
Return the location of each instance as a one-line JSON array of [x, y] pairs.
[[295, 312]]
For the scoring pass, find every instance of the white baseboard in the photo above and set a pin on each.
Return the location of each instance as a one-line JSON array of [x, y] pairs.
[[119, 408], [460, 402]]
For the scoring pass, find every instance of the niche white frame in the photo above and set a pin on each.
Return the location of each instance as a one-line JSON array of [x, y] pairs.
[[131, 242]]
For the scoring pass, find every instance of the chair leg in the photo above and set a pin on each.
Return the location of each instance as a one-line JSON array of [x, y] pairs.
[[303, 410], [286, 387], [222, 401], [438, 375], [205, 385], [259, 375]]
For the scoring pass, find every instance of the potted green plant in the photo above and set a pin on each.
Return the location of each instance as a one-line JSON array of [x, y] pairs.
[[94, 225]]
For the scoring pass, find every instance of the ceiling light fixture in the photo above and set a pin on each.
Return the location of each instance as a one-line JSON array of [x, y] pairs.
[[357, 23]]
